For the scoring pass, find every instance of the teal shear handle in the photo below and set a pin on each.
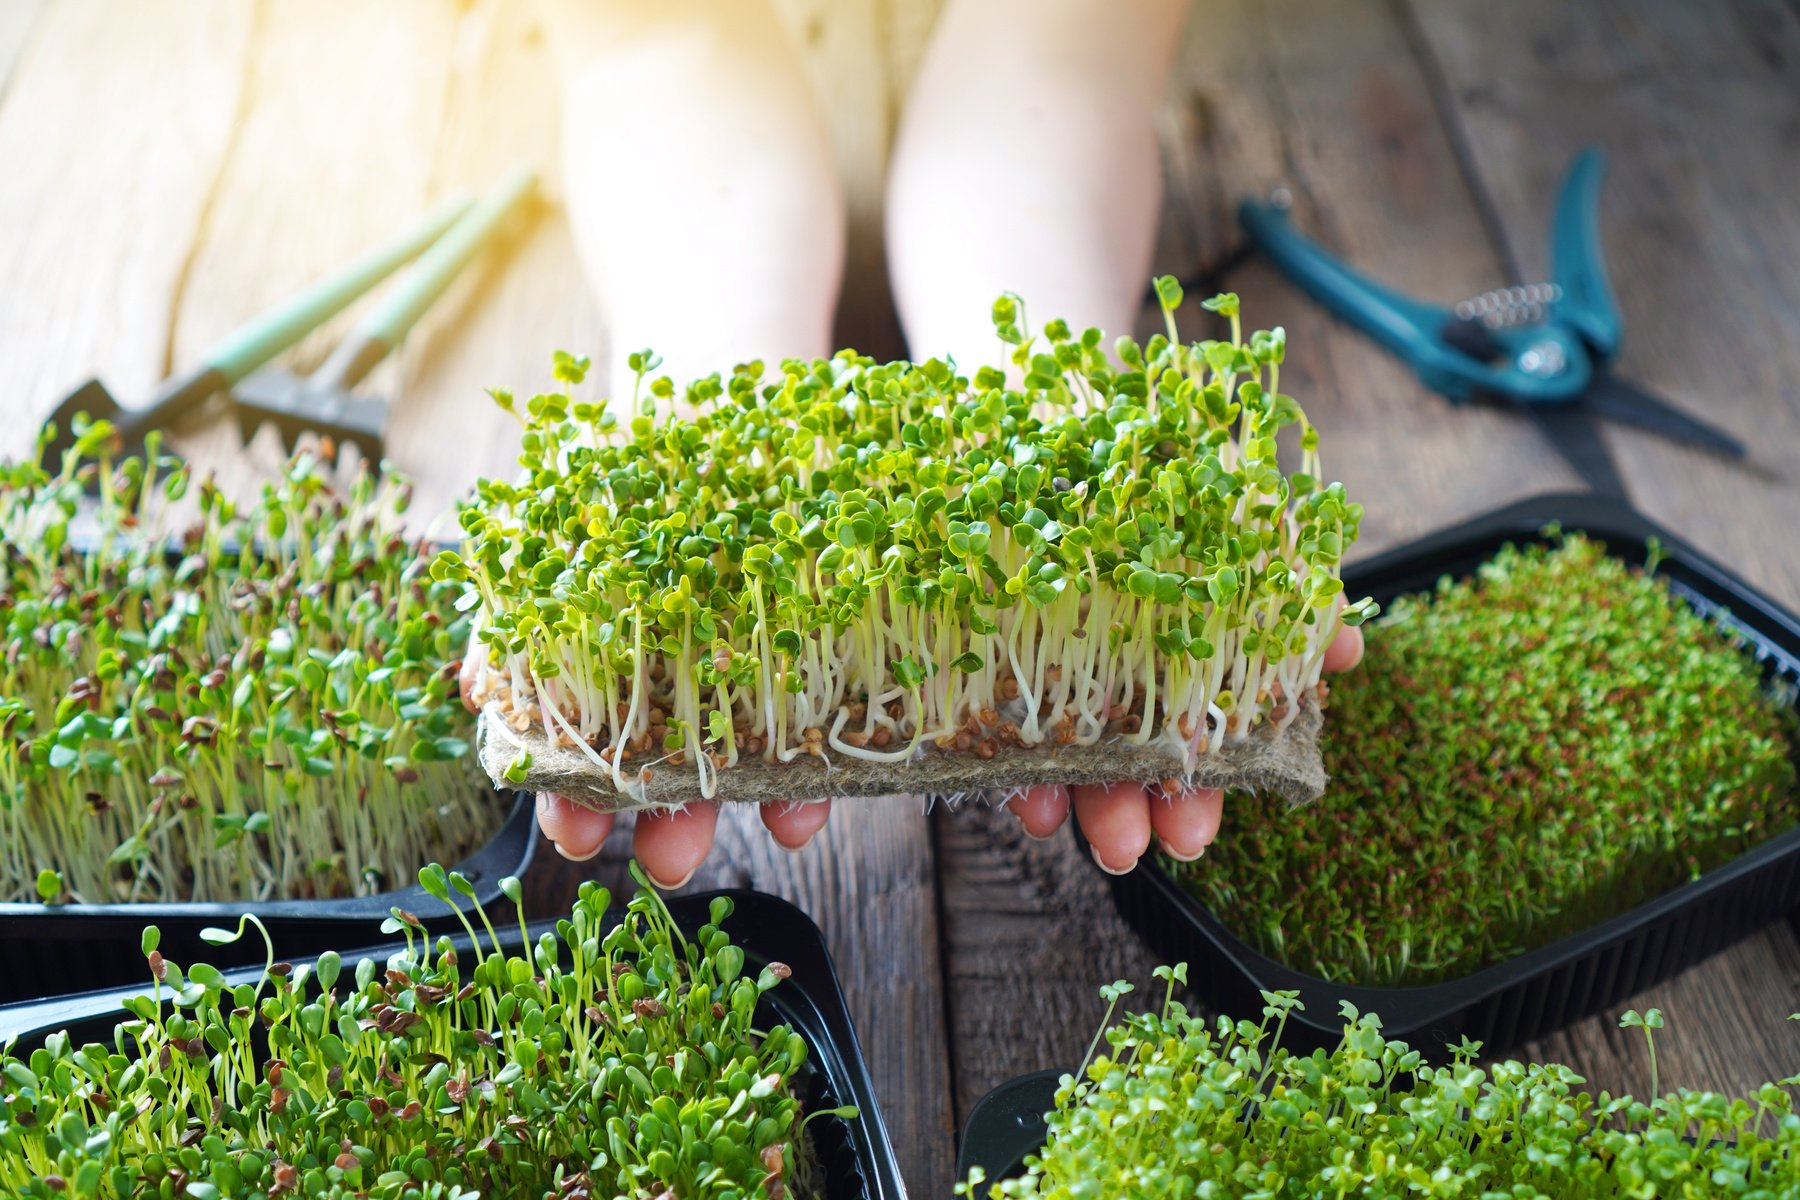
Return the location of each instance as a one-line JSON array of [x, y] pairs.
[[1577, 262], [1546, 362]]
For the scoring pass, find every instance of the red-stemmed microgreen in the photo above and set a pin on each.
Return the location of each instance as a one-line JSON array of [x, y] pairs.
[[1521, 755], [212, 700]]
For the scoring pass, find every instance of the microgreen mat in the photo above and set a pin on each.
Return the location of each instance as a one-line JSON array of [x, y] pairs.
[[856, 560], [1519, 756], [1174, 1105], [606, 1059], [207, 701]]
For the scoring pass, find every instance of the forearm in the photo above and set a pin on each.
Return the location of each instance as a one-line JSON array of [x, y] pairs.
[[1027, 162], [701, 189]]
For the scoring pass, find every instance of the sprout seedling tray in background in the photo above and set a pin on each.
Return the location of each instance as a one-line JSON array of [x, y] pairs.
[[1544, 989], [1007, 1124], [857, 1159], [46, 949]]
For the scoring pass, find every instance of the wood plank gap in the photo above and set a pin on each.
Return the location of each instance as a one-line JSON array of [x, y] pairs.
[[1462, 145], [941, 811], [246, 98]]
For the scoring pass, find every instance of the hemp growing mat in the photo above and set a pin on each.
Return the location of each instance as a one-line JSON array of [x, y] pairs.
[[1286, 763]]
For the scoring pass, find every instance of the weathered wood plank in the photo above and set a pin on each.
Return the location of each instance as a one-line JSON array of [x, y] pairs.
[[867, 880], [1727, 1026], [99, 227], [332, 157], [1696, 109], [1030, 933], [1325, 100]]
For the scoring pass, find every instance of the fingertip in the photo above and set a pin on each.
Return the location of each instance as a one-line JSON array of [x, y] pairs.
[[1041, 809], [793, 823], [576, 831], [671, 844], [466, 672], [1346, 649], [1115, 819], [1186, 819]]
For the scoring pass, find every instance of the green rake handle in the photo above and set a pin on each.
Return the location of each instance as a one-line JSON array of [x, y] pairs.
[[267, 335], [263, 337], [396, 313]]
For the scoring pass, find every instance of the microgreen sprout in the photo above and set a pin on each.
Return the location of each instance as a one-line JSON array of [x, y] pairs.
[[1177, 1105], [611, 1058], [202, 700], [861, 560], [1520, 755]]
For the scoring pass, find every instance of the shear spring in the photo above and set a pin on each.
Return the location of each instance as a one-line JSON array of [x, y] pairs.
[[1502, 308]]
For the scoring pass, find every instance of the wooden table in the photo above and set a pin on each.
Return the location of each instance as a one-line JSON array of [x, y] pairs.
[[167, 166]]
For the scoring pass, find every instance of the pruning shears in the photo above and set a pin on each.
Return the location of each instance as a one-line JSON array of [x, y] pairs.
[[1545, 348]]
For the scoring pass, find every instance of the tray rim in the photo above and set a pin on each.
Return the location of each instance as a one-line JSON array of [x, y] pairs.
[[1414, 1009]]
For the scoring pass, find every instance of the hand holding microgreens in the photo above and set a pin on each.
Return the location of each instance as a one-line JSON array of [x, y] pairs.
[[920, 579], [1173, 1105], [202, 701], [611, 1058]]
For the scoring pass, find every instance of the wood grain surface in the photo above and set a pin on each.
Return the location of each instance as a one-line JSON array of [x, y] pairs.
[[167, 167]]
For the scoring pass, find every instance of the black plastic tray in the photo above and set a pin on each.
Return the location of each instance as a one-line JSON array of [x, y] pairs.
[[1537, 992], [857, 1158], [1006, 1125], [47, 949]]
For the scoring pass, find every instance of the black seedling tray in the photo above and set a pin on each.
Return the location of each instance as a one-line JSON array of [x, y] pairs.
[[47, 949], [1542, 990], [856, 1156], [1006, 1125]]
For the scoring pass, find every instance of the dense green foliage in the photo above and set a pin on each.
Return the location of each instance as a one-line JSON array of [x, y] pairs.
[[611, 1062], [202, 701], [860, 558], [1174, 1106], [1519, 756]]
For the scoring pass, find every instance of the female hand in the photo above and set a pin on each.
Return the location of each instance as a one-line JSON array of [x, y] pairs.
[[669, 845], [1118, 818]]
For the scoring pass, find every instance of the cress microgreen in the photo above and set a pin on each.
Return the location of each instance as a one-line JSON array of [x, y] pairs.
[[208, 700], [1176, 1105], [1519, 756], [851, 558], [611, 1058]]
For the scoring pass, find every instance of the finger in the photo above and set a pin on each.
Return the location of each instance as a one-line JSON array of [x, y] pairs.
[[793, 824], [466, 675], [671, 844], [1186, 819], [576, 831], [1041, 810], [1346, 650], [474, 661], [1115, 817]]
